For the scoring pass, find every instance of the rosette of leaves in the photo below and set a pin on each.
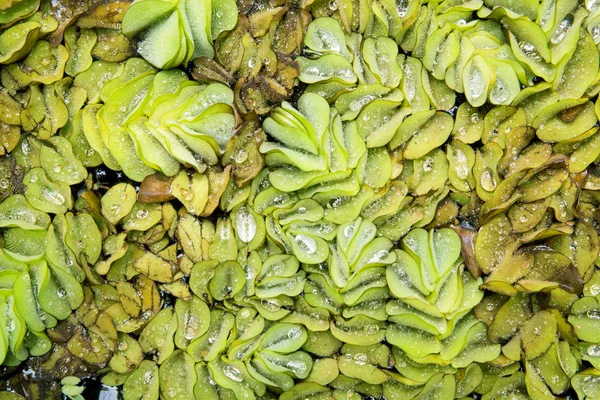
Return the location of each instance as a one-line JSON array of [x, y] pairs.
[[199, 193], [171, 33], [531, 195], [548, 45], [327, 66], [43, 112], [258, 54], [89, 335], [157, 121], [541, 338], [52, 367], [191, 333], [354, 288], [248, 269], [474, 57], [342, 166], [46, 258], [149, 245], [342, 275], [238, 354], [43, 262], [542, 110], [430, 319], [371, 19], [43, 64], [489, 380], [335, 64], [532, 269], [134, 300], [435, 208], [225, 355], [277, 359]]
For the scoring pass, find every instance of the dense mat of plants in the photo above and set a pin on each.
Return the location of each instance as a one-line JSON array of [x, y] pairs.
[[300, 199]]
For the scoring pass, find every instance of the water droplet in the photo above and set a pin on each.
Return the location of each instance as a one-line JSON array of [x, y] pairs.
[[487, 180], [593, 314], [358, 104], [461, 164], [328, 40], [594, 350], [148, 376], [335, 202], [245, 225], [141, 214], [476, 82], [361, 358], [52, 196], [530, 51], [123, 345], [306, 244], [297, 367], [562, 29], [241, 155], [294, 333], [187, 195], [402, 7], [428, 164], [190, 325], [595, 290]]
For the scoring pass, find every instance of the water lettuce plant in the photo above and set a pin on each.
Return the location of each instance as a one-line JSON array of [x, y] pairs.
[[293, 199]]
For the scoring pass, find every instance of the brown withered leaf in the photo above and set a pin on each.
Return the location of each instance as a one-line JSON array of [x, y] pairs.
[[467, 249], [217, 182], [155, 188], [570, 114], [11, 178], [229, 49], [243, 154], [273, 90], [206, 69], [288, 35]]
